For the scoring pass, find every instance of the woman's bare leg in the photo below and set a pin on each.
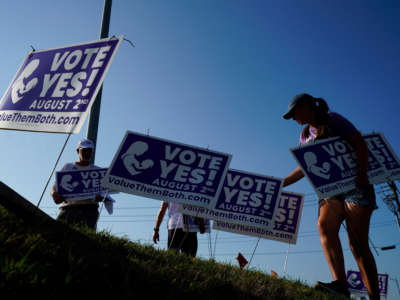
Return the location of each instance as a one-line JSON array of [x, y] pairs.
[[358, 220], [331, 215]]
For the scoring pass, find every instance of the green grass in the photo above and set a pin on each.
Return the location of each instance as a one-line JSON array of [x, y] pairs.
[[58, 262]]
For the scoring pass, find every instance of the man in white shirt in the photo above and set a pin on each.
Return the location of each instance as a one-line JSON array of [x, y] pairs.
[[79, 211], [178, 239]]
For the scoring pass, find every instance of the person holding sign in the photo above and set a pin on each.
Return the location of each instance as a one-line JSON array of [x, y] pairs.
[[178, 239], [83, 211], [355, 207]]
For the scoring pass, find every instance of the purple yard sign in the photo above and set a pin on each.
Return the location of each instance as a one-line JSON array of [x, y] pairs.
[[54, 89], [357, 287], [166, 170], [246, 199], [80, 184], [286, 225], [331, 168], [382, 150]]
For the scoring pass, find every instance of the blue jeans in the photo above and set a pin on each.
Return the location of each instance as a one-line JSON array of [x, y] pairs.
[[182, 241], [361, 196]]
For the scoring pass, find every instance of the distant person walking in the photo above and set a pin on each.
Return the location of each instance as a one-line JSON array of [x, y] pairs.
[[79, 211], [178, 239], [355, 207]]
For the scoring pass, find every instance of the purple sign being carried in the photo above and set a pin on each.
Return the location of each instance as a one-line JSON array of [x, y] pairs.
[[357, 287], [81, 184], [286, 222], [166, 170], [54, 89], [246, 198], [331, 167]]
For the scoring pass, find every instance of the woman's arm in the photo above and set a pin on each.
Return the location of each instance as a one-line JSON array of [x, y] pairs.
[[293, 177]]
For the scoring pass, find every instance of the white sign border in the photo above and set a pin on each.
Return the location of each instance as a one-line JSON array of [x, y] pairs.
[[77, 128], [216, 218], [161, 198], [291, 241]]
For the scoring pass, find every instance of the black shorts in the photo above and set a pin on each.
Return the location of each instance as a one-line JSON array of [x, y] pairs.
[[186, 242]]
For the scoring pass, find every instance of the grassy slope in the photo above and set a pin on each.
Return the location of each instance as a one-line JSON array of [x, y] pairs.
[[56, 262]]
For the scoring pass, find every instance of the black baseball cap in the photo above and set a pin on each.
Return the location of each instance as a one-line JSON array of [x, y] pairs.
[[298, 99]]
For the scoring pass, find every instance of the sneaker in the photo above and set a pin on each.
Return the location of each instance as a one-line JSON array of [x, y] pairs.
[[335, 287]]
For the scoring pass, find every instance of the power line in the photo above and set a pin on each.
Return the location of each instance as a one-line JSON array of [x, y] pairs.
[[246, 239], [277, 252], [134, 219]]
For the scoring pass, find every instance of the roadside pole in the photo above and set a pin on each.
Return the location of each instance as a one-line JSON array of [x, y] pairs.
[[393, 187], [93, 123]]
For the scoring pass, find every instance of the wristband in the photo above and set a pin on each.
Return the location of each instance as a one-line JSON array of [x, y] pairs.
[[156, 229]]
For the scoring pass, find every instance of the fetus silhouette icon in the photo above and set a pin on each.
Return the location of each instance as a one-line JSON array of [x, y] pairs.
[[131, 158], [353, 280], [311, 161], [24, 84], [66, 183]]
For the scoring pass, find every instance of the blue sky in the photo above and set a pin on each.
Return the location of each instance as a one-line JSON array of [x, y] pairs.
[[218, 74]]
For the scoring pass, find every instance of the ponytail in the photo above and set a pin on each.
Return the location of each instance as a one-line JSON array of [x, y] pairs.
[[321, 109], [321, 106]]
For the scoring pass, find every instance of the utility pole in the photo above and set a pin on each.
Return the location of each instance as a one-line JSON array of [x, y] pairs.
[[393, 187], [390, 196], [93, 123]]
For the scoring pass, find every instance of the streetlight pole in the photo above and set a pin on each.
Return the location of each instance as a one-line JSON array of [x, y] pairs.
[[93, 123]]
